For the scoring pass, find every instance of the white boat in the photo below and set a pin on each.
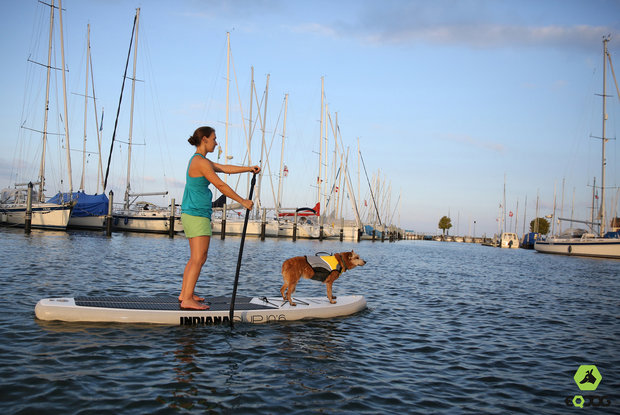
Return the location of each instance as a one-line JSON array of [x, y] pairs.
[[509, 240], [306, 229], [581, 243], [146, 217], [235, 227], [90, 210], [140, 216], [589, 244], [14, 201], [44, 215]]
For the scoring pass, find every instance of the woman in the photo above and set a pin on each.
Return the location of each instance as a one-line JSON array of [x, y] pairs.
[[196, 208]]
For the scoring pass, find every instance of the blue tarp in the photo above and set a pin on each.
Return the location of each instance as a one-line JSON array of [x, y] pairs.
[[368, 231], [87, 205], [529, 239]]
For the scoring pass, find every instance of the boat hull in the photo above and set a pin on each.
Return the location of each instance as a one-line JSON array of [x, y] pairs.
[[235, 227], [44, 216], [595, 247], [147, 222], [87, 222]]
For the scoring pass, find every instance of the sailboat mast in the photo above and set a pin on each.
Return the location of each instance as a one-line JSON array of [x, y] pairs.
[[318, 179], [603, 139], [120, 100], [47, 105], [133, 90], [85, 108], [250, 129], [227, 98], [325, 162], [335, 166], [503, 219], [279, 201], [97, 128], [64, 89], [263, 150], [593, 199], [524, 215]]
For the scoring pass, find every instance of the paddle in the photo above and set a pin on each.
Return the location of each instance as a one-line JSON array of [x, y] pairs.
[[245, 228]]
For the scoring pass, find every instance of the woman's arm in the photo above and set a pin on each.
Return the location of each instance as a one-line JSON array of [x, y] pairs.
[[232, 169], [207, 169]]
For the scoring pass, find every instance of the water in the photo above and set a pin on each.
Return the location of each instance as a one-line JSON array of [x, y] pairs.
[[450, 328]]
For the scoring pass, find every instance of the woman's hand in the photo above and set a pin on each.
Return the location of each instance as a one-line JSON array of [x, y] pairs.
[[248, 204], [254, 169]]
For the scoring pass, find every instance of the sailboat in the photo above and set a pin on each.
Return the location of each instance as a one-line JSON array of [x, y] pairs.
[[589, 244], [227, 217], [90, 210], [14, 201], [311, 222], [140, 216]]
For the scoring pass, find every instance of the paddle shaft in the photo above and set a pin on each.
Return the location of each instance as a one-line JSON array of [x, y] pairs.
[[245, 228]]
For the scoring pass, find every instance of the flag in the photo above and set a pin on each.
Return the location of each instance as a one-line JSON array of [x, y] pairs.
[[365, 203], [101, 123], [285, 171], [219, 152], [510, 214]]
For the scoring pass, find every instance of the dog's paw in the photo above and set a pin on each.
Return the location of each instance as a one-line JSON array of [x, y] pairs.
[[293, 304], [332, 301]]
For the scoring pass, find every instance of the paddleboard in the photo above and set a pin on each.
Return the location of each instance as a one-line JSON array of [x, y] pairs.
[[166, 310]]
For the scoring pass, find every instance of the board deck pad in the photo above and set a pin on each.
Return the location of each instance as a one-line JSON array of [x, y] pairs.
[[221, 303], [167, 309]]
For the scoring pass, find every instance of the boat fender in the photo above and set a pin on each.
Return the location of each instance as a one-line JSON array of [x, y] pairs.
[[126, 220], [115, 221], [570, 249]]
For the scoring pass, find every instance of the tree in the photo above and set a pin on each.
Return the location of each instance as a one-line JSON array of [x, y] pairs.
[[543, 226], [444, 224]]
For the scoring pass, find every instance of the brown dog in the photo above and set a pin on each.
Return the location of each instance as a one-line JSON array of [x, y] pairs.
[[326, 269]]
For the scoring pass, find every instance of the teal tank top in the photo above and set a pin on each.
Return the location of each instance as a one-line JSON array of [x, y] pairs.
[[197, 196]]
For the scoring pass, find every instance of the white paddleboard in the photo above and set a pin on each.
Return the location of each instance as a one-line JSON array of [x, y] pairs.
[[166, 310]]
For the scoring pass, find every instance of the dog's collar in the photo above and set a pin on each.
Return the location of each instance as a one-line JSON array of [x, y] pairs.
[[342, 264]]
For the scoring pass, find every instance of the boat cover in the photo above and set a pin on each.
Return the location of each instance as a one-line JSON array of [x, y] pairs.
[[87, 205]]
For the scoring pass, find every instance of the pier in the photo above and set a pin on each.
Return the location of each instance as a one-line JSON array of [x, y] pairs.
[[415, 236]]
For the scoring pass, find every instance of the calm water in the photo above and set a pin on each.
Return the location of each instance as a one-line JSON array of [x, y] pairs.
[[450, 328]]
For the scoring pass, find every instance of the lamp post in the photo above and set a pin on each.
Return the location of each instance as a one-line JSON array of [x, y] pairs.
[[474, 229]]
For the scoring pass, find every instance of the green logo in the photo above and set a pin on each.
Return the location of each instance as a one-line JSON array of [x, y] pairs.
[[587, 377], [578, 401]]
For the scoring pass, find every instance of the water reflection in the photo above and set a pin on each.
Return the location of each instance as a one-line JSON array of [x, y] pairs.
[[186, 393]]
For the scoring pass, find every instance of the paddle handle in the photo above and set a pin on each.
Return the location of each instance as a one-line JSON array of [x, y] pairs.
[[245, 228]]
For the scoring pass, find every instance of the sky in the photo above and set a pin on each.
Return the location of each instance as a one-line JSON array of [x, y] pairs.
[[450, 102]]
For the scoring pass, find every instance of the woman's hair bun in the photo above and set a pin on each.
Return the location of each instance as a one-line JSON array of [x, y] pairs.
[[198, 134]]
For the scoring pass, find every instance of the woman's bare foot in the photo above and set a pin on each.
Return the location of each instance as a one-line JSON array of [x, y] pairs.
[[191, 304], [195, 297]]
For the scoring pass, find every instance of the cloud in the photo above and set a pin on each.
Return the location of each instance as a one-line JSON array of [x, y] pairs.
[[491, 35], [317, 29], [473, 142], [475, 24], [174, 183]]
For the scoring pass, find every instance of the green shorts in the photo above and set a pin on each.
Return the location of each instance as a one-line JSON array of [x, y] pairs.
[[195, 225]]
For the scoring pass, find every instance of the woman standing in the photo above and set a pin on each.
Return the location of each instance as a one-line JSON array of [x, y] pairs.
[[196, 208]]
